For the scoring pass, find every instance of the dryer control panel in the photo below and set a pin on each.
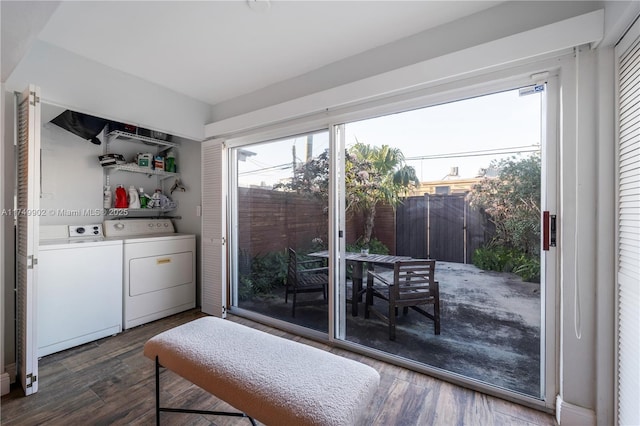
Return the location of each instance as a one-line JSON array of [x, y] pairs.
[[137, 227]]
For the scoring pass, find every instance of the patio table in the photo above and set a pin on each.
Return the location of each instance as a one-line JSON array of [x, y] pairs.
[[359, 260]]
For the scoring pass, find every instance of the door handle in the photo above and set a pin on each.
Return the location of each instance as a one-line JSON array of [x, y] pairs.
[[549, 230]]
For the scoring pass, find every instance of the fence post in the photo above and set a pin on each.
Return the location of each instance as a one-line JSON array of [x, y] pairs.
[[464, 230], [428, 205]]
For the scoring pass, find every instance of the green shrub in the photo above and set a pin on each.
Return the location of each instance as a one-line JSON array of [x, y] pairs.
[[267, 272], [529, 269], [503, 259], [375, 246], [493, 259], [245, 288]]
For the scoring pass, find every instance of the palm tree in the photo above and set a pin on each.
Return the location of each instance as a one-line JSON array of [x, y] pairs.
[[375, 175]]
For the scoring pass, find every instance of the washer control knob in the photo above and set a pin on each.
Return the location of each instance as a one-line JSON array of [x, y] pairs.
[[166, 225], [119, 226], [150, 225]]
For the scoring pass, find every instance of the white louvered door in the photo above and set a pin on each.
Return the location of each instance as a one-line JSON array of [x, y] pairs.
[[214, 288], [628, 230], [28, 202]]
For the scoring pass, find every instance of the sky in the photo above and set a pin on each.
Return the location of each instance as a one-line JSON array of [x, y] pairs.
[[460, 133]]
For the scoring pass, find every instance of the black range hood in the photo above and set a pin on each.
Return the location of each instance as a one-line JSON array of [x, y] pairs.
[[83, 125]]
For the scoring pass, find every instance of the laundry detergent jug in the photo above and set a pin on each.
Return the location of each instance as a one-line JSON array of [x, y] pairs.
[[122, 201], [134, 199]]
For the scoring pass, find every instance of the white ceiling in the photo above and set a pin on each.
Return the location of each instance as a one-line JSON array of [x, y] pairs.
[[217, 50]]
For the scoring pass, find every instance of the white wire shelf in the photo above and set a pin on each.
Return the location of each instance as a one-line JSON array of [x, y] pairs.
[[118, 134], [134, 168], [123, 213]]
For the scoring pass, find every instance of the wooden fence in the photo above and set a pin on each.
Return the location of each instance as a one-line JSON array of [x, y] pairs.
[[441, 227], [274, 220]]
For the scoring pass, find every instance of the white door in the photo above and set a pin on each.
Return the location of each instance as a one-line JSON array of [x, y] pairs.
[[28, 202], [214, 288]]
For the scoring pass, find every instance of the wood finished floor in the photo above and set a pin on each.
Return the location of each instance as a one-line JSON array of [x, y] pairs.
[[110, 382]]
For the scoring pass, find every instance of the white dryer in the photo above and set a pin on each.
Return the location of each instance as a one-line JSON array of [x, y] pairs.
[[159, 269]]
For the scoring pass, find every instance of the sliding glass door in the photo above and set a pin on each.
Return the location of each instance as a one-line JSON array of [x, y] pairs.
[[458, 183], [280, 199]]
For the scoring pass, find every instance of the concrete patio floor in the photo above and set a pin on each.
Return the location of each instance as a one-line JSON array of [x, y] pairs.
[[490, 327]]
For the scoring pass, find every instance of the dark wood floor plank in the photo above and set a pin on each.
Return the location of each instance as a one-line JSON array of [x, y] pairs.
[[110, 382]]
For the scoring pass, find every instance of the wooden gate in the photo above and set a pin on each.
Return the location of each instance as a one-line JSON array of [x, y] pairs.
[[441, 227]]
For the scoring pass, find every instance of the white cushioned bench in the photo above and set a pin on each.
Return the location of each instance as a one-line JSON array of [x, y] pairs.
[[274, 380]]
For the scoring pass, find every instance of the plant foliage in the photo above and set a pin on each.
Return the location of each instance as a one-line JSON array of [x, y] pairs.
[[503, 259], [512, 202], [265, 273], [375, 246], [373, 175]]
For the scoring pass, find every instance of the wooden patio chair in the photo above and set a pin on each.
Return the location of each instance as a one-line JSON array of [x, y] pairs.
[[413, 285], [305, 277]]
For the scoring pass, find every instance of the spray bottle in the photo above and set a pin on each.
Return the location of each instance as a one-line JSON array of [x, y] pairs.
[[106, 197]]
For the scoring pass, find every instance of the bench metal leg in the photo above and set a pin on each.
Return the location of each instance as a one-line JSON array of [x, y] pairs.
[[186, 410]]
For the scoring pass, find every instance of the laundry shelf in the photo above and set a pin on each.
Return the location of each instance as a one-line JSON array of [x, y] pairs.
[[118, 134], [134, 168], [126, 213]]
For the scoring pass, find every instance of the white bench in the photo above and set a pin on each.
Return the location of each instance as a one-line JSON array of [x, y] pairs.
[[274, 380]]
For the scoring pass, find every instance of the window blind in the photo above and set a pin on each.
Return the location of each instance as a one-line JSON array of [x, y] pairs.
[[628, 232]]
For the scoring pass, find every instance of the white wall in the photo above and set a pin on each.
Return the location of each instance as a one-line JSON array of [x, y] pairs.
[[71, 178], [605, 266], [189, 201], [577, 242], [71, 81]]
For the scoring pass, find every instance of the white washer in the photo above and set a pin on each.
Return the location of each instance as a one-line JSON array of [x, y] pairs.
[[79, 287], [159, 269]]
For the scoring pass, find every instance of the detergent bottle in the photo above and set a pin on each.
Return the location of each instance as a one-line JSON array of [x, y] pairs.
[[134, 198], [144, 199], [121, 198], [170, 162]]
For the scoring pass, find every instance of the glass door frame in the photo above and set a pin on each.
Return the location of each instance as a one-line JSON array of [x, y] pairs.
[[337, 235], [333, 121], [232, 279]]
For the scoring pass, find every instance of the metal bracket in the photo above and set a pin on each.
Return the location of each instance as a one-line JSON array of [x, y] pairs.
[[31, 379]]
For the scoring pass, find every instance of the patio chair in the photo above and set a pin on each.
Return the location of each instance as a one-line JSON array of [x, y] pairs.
[[413, 285], [305, 277]]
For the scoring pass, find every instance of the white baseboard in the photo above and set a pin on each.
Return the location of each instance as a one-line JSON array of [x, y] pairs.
[[5, 385], [573, 415]]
